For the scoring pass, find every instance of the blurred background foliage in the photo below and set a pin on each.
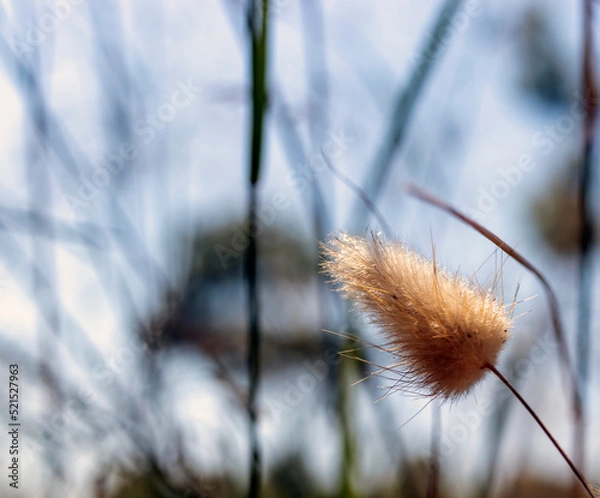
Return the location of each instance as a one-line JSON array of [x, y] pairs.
[[124, 239]]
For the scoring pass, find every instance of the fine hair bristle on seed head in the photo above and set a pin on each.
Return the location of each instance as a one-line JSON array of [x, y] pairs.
[[443, 329]]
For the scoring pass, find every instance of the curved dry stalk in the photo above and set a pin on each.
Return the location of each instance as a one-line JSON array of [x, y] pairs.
[[421, 194], [531, 411]]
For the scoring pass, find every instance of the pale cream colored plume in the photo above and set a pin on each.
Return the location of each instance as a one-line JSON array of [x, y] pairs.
[[443, 329]]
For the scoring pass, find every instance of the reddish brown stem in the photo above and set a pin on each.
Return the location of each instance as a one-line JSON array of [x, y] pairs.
[[575, 470]]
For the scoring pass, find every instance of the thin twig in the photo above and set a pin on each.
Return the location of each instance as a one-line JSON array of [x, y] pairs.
[[507, 383], [361, 194]]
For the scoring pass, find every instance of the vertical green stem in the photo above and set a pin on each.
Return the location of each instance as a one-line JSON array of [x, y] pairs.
[[258, 55], [257, 28], [253, 350], [346, 371]]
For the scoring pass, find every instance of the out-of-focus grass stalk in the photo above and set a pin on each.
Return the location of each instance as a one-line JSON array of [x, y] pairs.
[[44, 253], [258, 61], [590, 92], [436, 439], [316, 80], [392, 438], [348, 374], [316, 69], [257, 31], [71, 159], [52, 136], [403, 110]]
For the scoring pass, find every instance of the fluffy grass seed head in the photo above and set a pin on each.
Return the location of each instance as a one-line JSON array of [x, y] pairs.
[[443, 329]]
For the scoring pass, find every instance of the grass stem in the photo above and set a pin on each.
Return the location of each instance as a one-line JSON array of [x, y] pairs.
[[575, 470], [257, 30]]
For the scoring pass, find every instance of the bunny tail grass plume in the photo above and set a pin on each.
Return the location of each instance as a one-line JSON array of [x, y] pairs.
[[444, 330]]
